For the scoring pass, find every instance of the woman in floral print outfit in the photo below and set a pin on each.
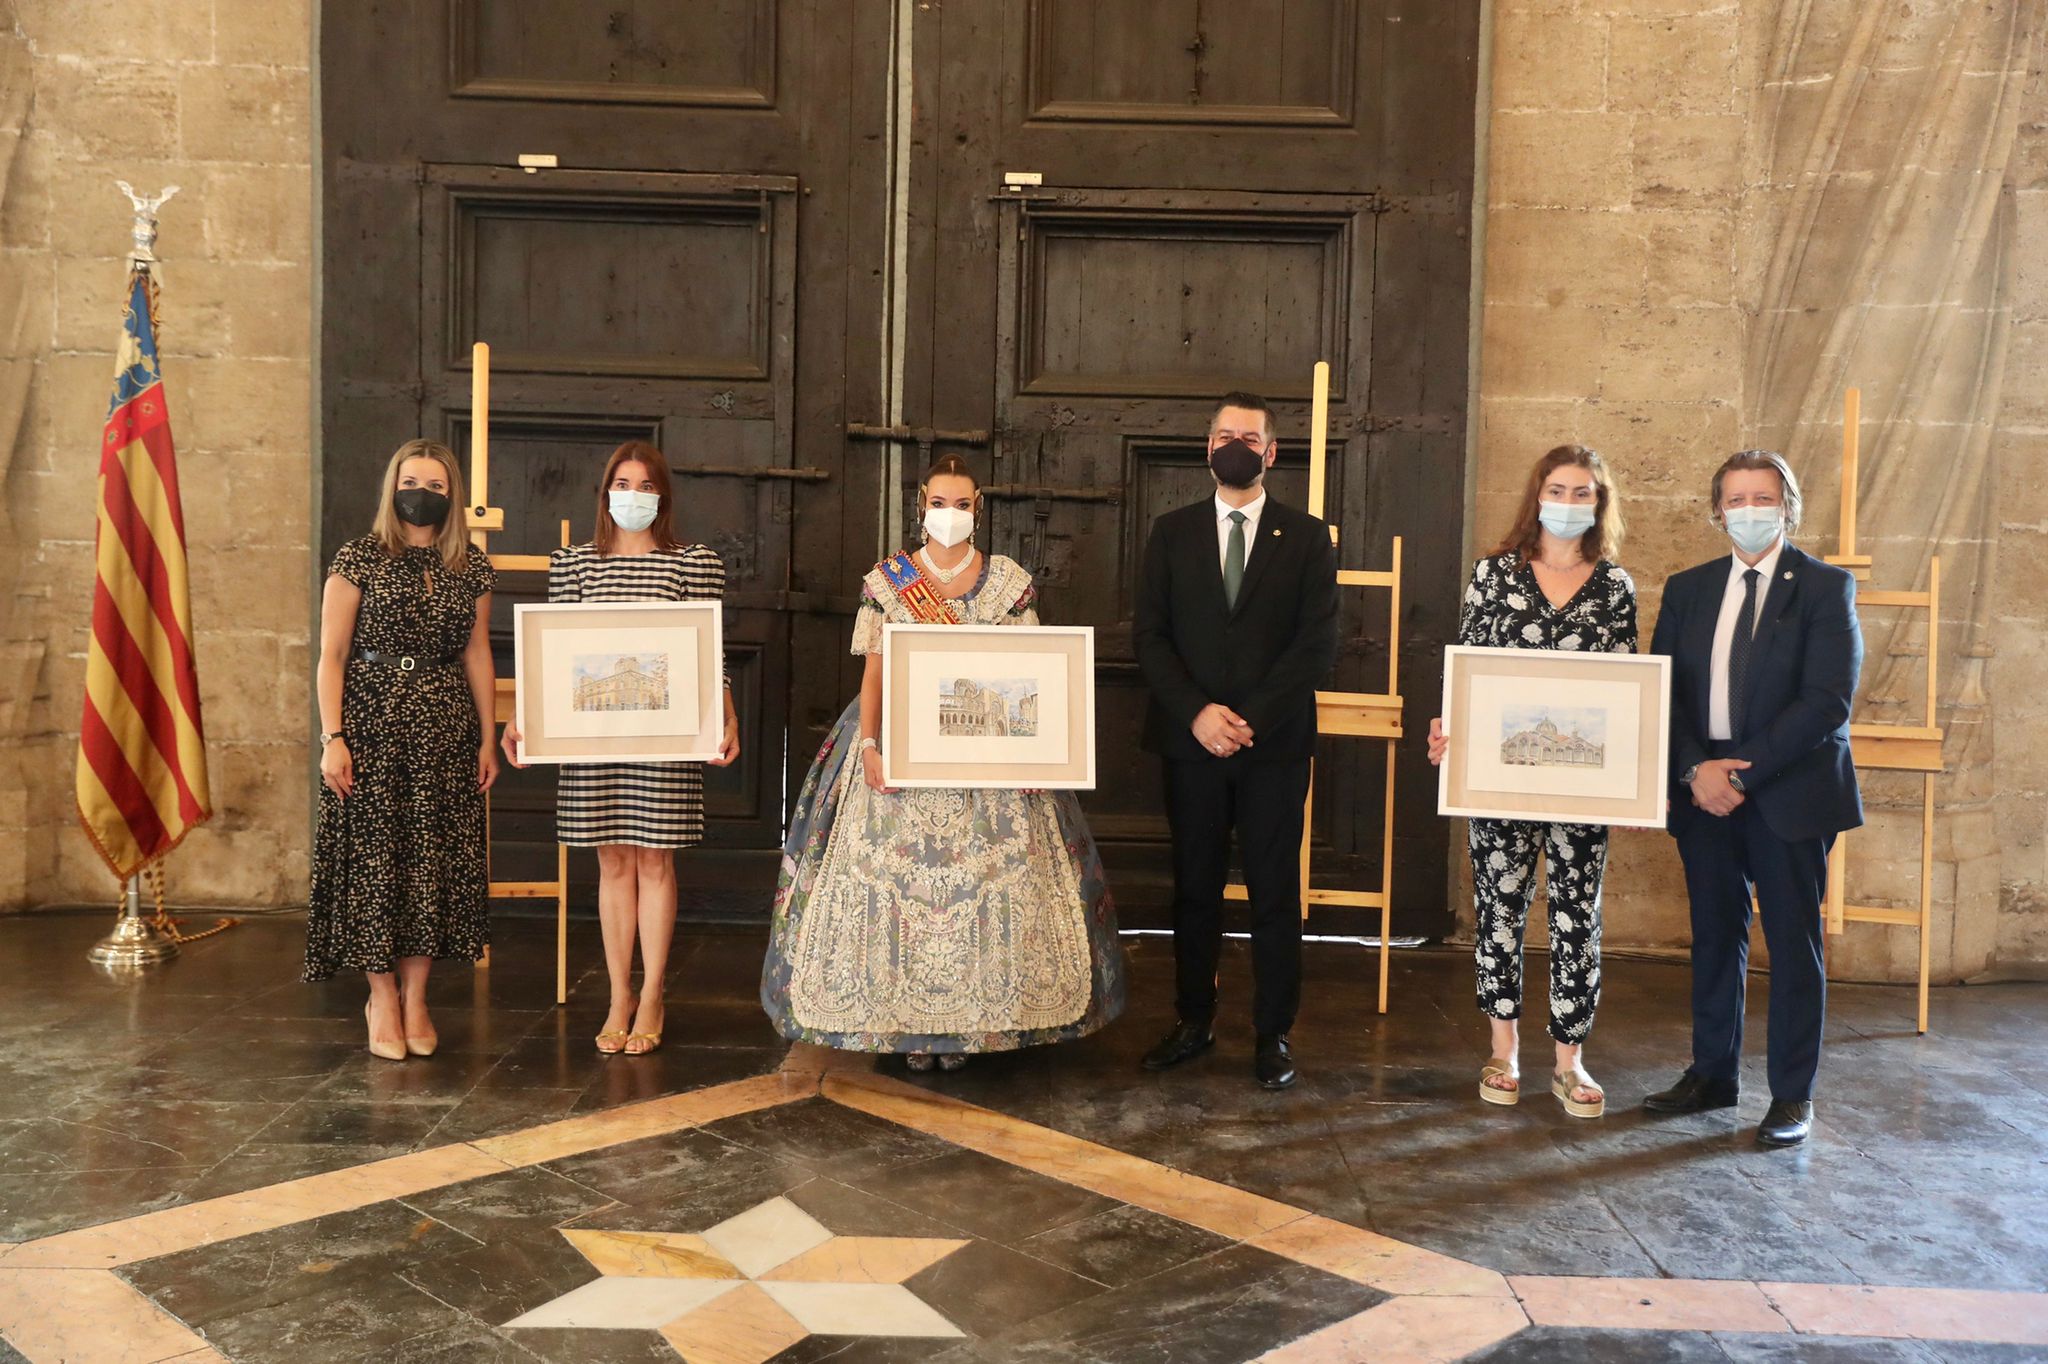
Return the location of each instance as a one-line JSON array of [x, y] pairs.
[[1552, 584]]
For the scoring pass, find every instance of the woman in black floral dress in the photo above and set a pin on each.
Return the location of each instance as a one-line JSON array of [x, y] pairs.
[[407, 695], [1552, 584]]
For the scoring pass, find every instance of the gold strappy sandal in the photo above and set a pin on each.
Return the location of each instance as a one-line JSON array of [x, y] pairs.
[[1494, 1094], [1563, 1082], [652, 1039], [615, 1037]]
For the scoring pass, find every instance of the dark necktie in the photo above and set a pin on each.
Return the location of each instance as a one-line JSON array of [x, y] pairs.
[[1233, 561], [1738, 654]]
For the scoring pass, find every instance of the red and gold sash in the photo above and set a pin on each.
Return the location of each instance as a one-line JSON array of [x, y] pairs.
[[918, 593]]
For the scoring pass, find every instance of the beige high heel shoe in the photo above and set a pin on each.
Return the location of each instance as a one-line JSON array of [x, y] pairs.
[[418, 1044], [389, 1051]]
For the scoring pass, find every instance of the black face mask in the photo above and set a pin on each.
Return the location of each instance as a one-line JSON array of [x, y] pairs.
[[1236, 465], [420, 506]]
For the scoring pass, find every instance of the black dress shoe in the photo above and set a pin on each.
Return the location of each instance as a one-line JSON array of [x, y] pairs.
[[1693, 1093], [1784, 1124], [1273, 1063], [1186, 1041]]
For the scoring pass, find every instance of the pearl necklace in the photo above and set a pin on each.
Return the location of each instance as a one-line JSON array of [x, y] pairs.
[[944, 575]]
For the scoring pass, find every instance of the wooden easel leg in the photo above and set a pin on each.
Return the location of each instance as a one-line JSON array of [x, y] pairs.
[[1834, 908], [484, 962], [1308, 823], [1387, 881], [561, 923], [1926, 885]]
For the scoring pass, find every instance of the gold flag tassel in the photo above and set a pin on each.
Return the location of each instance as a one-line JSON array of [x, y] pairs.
[[172, 928]]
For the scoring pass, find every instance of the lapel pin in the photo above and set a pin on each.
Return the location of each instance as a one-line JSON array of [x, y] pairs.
[[1788, 575], [1276, 532]]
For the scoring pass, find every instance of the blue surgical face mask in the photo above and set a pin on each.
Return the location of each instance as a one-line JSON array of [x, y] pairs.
[[1566, 520], [633, 511], [1754, 529]]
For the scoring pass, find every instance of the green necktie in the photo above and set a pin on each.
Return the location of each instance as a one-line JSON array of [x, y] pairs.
[[1233, 561]]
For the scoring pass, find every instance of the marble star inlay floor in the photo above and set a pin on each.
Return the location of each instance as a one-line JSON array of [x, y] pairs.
[[752, 1286], [246, 1188]]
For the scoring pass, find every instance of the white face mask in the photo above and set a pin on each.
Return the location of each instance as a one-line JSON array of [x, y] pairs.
[[633, 511], [1754, 529], [1566, 520], [948, 525]]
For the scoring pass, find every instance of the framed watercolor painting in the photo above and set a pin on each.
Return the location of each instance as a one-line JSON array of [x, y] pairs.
[[1551, 735], [618, 681], [1004, 706]]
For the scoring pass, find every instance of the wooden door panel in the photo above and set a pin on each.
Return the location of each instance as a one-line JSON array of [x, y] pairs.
[[710, 53], [569, 286], [599, 274], [1198, 302], [1282, 62], [1251, 94]]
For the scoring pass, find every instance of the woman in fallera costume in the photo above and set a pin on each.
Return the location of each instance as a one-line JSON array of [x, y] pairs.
[[936, 923]]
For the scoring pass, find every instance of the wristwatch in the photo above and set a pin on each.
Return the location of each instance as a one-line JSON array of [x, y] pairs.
[[1685, 778], [326, 739]]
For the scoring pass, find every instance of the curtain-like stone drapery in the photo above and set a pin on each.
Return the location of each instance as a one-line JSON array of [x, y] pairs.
[[1880, 229]]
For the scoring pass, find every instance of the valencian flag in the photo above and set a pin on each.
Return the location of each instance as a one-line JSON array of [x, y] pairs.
[[141, 753]]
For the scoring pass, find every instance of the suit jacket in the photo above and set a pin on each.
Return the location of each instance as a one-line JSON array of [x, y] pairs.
[[1803, 668], [1263, 659]]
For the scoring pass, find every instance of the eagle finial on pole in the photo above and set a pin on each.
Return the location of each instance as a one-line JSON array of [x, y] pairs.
[[146, 206]]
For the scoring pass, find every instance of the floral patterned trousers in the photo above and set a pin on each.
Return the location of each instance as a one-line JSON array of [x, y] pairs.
[[1504, 854]]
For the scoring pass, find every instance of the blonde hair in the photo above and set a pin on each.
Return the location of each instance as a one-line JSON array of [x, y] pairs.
[[452, 540]]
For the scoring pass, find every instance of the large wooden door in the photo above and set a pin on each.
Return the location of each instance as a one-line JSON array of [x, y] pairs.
[[1135, 205], [804, 244], [663, 279]]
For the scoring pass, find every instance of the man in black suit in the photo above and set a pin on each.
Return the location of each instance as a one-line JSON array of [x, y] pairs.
[[1765, 651], [1236, 624]]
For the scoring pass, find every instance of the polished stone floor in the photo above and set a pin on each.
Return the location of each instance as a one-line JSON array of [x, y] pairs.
[[205, 1164]]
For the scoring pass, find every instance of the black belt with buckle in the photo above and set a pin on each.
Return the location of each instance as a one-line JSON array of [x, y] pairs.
[[406, 663]]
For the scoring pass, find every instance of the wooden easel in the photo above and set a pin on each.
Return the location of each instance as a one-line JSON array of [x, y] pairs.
[[1889, 747], [483, 519], [1361, 715]]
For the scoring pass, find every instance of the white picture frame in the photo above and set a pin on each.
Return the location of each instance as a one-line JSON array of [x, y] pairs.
[[1556, 736], [1024, 719], [619, 681]]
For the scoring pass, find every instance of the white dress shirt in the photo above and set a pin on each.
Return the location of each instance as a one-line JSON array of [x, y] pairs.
[[1251, 512], [1719, 725]]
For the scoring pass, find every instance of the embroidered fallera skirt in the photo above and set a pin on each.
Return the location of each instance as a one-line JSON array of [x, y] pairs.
[[937, 920]]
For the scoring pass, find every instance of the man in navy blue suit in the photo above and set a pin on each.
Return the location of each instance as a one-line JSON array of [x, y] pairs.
[[1765, 652]]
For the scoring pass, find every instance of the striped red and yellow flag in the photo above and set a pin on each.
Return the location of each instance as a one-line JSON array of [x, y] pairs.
[[141, 750]]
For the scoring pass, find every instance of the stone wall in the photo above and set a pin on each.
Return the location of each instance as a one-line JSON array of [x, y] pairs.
[[213, 96], [1709, 217], [1706, 217]]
